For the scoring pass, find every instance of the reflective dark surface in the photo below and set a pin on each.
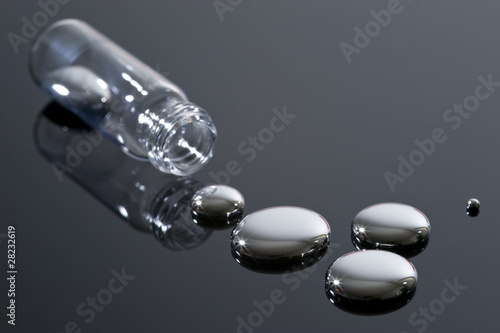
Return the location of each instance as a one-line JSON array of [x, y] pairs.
[[280, 239], [392, 227], [217, 207], [270, 69], [370, 282]]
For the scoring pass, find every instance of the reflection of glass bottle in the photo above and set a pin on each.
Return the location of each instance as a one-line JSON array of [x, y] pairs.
[[146, 114], [147, 199]]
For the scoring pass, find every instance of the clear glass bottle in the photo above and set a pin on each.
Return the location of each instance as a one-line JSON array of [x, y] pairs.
[[129, 102]]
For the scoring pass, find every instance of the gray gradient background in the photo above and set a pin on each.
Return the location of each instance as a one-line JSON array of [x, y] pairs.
[[353, 121]]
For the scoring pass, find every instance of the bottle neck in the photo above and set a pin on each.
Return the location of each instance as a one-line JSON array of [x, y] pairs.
[[179, 136]]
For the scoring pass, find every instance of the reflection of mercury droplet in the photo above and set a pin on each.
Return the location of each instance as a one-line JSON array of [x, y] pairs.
[[217, 207], [280, 239], [170, 217], [370, 282], [76, 86], [473, 207], [391, 226]]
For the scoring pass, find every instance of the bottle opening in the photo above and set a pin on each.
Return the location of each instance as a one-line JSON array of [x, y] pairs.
[[189, 147], [185, 144]]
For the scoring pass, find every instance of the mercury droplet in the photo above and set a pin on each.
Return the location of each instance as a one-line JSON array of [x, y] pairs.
[[473, 207], [280, 239], [370, 282], [393, 227], [77, 86], [217, 207]]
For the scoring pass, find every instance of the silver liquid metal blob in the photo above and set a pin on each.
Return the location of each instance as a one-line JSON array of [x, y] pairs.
[[370, 282], [75, 85], [394, 227], [473, 207], [280, 239], [217, 207]]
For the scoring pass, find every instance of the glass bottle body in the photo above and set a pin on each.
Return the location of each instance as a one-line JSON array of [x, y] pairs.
[[114, 92]]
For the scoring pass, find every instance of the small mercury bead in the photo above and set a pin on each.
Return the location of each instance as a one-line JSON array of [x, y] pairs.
[[217, 207], [473, 207]]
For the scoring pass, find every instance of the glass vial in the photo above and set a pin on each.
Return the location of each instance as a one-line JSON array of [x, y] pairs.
[[148, 116]]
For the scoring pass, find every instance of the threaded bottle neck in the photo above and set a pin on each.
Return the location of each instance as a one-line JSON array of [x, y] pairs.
[[181, 137]]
